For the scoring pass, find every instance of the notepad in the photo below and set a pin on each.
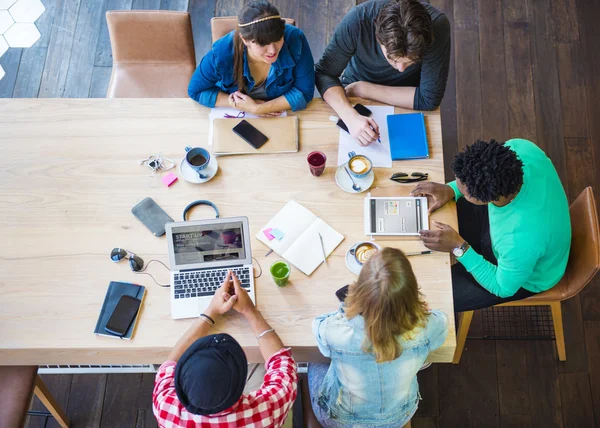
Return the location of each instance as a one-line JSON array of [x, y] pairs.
[[300, 244], [113, 295], [408, 138]]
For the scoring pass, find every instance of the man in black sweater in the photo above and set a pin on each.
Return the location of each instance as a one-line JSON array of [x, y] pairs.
[[392, 51]]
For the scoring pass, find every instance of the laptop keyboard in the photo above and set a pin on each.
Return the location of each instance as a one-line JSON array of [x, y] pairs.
[[206, 282]]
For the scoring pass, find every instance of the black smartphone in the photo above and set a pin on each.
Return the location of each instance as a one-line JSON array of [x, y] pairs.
[[123, 315], [152, 216], [342, 293], [250, 134], [361, 109]]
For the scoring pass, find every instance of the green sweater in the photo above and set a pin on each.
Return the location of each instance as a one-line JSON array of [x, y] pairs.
[[531, 236]]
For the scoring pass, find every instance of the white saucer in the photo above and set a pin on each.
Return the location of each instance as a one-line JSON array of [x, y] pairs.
[[344, 182], [351, 263], [192, 176]]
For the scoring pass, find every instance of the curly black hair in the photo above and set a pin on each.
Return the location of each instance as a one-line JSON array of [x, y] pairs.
[[489, 170]]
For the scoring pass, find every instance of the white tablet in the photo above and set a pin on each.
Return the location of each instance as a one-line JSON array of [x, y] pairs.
[[402, 216]]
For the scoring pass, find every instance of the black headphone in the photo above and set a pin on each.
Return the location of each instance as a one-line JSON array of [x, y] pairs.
[[196, 203]]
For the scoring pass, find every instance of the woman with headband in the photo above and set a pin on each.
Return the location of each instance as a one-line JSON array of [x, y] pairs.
[[263, 67]]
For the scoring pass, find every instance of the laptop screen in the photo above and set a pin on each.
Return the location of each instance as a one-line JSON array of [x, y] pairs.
[[209, 243]]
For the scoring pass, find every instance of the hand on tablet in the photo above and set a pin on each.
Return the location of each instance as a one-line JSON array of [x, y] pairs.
[[442, 238], [437, 194]]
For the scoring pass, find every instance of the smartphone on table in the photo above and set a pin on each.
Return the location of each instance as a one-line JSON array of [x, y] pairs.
[[342, 293], [361, 109], [152, 216], [250, 134], [123, 315]]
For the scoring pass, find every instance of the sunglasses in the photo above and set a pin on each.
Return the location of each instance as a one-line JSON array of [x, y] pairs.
[[402, 177], [135, 262]]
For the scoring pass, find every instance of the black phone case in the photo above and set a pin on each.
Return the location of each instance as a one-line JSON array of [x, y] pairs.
[[118, 333], [152, 216], [366, 112], [243, 137]]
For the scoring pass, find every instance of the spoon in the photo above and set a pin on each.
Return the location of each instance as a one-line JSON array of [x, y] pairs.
[[355, 187]]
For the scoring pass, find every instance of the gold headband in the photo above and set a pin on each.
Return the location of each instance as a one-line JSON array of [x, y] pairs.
[[260, 20]]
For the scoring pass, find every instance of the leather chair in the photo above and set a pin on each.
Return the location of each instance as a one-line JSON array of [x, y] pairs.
[[17, 386], [221, 25], [153, 54], [584, 262]]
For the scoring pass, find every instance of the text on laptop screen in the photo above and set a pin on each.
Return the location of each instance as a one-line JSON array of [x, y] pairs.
[[208, 243]]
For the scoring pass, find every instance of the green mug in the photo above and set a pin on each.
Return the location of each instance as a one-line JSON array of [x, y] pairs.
[[280, 271]]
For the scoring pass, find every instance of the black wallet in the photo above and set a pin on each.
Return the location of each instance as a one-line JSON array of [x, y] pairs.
[[153, 216]]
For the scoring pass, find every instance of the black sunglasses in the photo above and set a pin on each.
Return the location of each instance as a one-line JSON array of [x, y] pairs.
[[402, 177], [135, 262]]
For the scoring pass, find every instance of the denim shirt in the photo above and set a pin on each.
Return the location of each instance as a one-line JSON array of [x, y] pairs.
[[358, 390], [291, 75]]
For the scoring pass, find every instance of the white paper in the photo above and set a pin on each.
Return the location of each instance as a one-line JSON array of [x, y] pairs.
[[221, 112], [379, 153]]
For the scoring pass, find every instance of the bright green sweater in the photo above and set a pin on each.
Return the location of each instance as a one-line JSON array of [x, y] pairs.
[[531, 236]]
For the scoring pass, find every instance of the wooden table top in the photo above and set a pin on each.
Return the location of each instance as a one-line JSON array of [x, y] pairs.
[[70, 175]]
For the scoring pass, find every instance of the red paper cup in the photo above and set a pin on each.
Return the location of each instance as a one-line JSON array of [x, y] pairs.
[[316, 162]]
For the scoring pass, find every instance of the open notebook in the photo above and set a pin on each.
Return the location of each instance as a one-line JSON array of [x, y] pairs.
[[300, 244]]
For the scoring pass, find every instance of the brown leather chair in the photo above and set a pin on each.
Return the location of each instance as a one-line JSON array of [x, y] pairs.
[[153, 54], [584, 262], [221, 25], [17, 386]]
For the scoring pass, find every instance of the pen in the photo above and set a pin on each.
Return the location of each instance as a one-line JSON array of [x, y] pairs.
[[334, 119], [418, 253], [323, 248]]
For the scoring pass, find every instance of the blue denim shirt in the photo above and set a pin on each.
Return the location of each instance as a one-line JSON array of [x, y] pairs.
[[356, 389], [291, 75]]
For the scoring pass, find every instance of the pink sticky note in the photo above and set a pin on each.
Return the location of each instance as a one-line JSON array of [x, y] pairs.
[[267, 233], [169, 179]]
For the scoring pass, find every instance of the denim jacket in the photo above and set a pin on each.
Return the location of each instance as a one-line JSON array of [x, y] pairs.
[[356, 389], [291, 75]]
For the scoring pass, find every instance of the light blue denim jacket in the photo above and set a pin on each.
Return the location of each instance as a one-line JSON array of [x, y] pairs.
[[356, 389]]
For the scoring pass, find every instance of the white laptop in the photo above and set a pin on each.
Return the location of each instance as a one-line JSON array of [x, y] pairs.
[[200, 253]]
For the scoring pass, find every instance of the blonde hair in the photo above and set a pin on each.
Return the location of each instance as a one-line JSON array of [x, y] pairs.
[[388, 298]]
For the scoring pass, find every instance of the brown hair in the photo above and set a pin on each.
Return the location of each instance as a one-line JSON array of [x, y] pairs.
[[405, 28], [388, 297], [263, 33]]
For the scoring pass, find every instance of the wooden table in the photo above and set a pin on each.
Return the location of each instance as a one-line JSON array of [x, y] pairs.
[[70, 175]]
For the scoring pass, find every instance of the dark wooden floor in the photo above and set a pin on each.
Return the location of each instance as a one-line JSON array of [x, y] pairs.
[[520, 68]]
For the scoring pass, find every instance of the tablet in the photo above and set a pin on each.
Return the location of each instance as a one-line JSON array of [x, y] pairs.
[[396, 216]]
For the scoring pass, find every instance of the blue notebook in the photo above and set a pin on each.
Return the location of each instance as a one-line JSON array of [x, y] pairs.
[[113, 295], [408, 138]]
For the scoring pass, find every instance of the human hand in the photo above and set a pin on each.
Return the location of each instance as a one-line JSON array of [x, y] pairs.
[[437, 194], [243, 304], [223, 300], [356, 89], [245, 103], [443, 238], [363, 128]]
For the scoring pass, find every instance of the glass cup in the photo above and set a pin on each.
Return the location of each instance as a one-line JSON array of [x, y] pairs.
[[280, 271], [316, 162]]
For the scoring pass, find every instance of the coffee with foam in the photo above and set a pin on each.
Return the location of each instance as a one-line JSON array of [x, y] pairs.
[[359, 164], [364, 251]]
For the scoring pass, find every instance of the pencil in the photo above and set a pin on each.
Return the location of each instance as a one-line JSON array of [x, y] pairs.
[[323, 248]]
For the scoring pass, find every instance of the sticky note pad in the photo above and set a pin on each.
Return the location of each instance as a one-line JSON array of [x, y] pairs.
[[267, 233], [169, 179], [277, 234]]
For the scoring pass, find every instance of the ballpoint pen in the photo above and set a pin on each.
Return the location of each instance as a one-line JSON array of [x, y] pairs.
[[334, 119], [418, 253], [323, 248]]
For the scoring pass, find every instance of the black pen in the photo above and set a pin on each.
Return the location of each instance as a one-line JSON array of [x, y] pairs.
[[418, 253]]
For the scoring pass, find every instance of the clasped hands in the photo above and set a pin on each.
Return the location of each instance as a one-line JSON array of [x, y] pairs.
[[230, 295], [243, 102]]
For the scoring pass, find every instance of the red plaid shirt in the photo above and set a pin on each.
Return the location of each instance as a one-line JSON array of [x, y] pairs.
[[267, 407]]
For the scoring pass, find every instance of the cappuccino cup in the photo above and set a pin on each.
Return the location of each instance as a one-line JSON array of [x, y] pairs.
[[359, 165], [363, 252]]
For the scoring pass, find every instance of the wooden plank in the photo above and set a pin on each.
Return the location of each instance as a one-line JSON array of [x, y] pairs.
[[83, 53], [229, 7], [592, 339], [546, 89], [468, 79], [513, 378], [576, 398], [100, 81], [177, 5], [573, 90], [145, 417], [314, 23], [515, 421], [428, 387], [145, 5], [120, 400], [448, 106], [336, 10], [424, 422], [54, 76], [595, 387], [60, 387], [33, 59], [574, 338], [493, 71], [287, 9], [201, 11], [483, 383], [544, 392], [10, 63], [103, 49], [564, 17], [86, 399], [519, 70], [455, 392]]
